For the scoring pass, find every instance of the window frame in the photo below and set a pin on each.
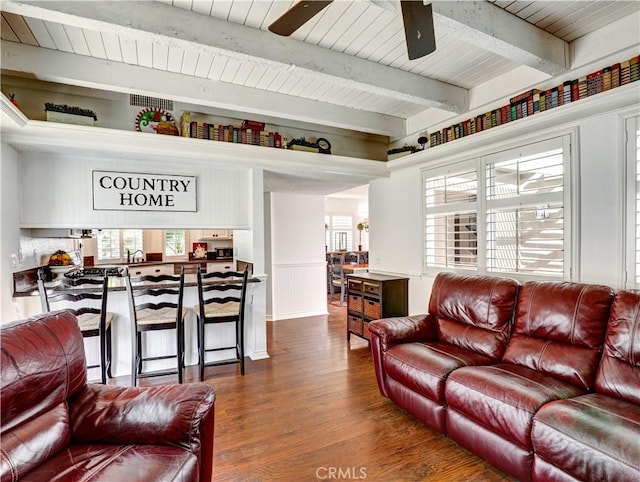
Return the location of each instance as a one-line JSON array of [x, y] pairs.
[[122, 258], [332, 230], [481, 159], [183, 256]]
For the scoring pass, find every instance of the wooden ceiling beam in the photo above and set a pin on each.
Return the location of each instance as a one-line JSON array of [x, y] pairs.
[[498, 31], [175, 27], [82, 71]]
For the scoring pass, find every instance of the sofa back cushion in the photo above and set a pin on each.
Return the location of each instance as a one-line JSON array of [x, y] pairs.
[[559, 329], [474, 312], [619, 371], [43, 364]]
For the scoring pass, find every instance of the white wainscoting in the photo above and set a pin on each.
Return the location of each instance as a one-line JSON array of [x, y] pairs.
[[299, 289]]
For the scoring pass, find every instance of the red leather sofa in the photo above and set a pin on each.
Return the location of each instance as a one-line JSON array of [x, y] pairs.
[[56, 427], [542, 379]]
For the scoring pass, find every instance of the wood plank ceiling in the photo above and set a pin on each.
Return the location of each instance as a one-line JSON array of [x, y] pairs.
[[347, 67]]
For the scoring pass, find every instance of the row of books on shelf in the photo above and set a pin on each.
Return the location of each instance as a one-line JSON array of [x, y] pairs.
[[249, 132], [535, 100]]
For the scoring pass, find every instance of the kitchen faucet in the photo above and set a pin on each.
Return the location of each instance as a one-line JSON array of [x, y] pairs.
[[131, 257]]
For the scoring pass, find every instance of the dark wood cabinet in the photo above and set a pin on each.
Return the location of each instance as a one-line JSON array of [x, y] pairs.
[[371, 297]]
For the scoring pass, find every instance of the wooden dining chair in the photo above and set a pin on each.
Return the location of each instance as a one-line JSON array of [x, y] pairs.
[[351, 257], [155, 303], [86, 299], [221, 301], [336, 276]]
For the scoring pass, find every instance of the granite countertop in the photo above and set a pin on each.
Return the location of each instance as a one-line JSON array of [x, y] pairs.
[[26, 283], [117, 283]]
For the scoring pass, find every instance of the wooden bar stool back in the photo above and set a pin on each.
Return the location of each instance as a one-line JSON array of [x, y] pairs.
[[86, 299], [155, 303], [221, 300]]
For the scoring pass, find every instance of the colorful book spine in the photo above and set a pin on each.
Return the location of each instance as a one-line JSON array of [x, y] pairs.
[[554, 97], [625, 74], [591, 84], [505, 114], [634, 69], [536, 103], [548, 99], [575, 90], [606, 79], [543, 101], [615, 76], [599, 86], [566, 93], [560, 89], [582, 87]]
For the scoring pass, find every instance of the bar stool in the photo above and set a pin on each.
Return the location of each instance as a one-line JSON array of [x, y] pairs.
[[155, 304], [93, 318], [221, 300]]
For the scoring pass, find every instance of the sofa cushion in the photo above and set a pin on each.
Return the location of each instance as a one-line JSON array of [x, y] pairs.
[[591, 437], [474, 312], [110, 463], [619, 371], [559, 330], [503, 398], [424, 367]]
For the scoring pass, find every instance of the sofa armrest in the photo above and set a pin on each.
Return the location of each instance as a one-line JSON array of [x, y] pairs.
[[180, 415], [406, 329]]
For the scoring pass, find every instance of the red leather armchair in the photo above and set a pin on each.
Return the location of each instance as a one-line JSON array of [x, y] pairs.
[[56, 427]]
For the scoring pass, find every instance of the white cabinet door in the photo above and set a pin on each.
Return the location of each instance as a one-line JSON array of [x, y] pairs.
[[221, 266], [155, 270]]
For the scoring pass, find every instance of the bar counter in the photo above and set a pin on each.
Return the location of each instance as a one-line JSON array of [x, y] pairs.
[[161, 342]]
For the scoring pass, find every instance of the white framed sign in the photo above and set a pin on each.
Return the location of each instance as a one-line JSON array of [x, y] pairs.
[[137, 191]]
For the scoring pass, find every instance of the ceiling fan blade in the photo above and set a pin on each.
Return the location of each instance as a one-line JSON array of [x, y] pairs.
[[296, 16], [418, 28]]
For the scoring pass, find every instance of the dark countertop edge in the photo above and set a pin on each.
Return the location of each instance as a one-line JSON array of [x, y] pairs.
[[119, 285]]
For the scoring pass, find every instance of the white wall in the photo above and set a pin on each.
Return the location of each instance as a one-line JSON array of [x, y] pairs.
[[9, 234], [298, 265], [58, 193], [396, 213]]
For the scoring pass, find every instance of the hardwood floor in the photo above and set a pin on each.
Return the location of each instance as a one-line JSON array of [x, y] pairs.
[[312, 411]]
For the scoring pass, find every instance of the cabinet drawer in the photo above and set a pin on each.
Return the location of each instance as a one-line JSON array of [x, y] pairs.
[[372, 309], [354, 303], [354, 285], [365, 330], [354, 324], [372, 289]]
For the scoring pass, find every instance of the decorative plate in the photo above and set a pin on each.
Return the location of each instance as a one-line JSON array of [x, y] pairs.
[[199, 250], [156, 120]]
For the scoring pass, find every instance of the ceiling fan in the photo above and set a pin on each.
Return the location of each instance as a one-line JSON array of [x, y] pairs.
[[417, 18]]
